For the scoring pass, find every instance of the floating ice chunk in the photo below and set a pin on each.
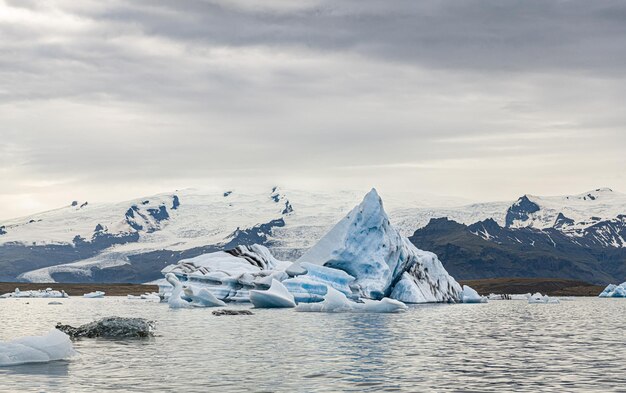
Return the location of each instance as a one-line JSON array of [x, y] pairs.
[[312, 286], [41, 293], [613, 290], [153, 297], [201, 297], [96, 294], [384, 305], [190, 296], [335, 302], [175, 300], [277, 296], [36, 349], [469, 295], [538, 298]]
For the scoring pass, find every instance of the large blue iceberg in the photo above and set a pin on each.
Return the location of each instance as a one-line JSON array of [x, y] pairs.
[[383, 263]]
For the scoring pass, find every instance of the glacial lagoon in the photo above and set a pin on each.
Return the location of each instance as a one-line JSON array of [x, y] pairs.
[[575, 346]]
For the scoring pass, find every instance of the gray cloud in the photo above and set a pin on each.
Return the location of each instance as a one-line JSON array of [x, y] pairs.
[[481, 99]]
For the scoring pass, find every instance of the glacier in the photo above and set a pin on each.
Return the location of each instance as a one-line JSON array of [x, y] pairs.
[[277, 296], [382, 262], [613, 290], [36, 349]]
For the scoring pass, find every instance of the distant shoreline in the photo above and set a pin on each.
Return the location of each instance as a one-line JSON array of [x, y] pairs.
[[547, 286], [79, 289]]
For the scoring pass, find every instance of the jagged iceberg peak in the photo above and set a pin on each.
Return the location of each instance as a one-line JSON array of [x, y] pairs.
[[365, 245]]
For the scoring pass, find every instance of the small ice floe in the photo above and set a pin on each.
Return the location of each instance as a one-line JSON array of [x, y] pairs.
[[335, 301], [111, 327], [231, 312], [613, 290], [41, 293], [538, 298], [277, 296], [150, 296], [188, 297], [94, 295], [469, 295], [506, 296], [55, 345]]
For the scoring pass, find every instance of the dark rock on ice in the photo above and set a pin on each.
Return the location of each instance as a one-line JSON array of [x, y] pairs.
[[111, 327], [232, 312]]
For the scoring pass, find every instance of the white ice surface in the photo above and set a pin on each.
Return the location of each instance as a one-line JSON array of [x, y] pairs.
[[229, 277], [277, 296], [36, 349]]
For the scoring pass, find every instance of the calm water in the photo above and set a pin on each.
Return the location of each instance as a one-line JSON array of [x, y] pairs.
[[501, 346]]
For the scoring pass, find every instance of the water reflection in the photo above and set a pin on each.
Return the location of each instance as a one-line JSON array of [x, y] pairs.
[[58, 368]]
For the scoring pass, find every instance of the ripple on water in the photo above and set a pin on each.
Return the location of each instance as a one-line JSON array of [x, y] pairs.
[[499, 346]]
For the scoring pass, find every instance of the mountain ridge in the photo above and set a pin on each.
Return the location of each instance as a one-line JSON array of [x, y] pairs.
[[93, 241]]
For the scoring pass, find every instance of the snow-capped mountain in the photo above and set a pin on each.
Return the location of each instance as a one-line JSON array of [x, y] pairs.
[[134, 240], [578, 236], [128, 240], [596, 216]]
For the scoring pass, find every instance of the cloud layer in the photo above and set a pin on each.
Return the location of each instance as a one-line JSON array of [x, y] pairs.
[[479, 99]]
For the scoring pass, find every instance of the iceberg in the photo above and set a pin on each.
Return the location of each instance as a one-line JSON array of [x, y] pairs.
[[383, 263], [93, 295], [55, 345], [469, 295], [613, 290], [337, 302], [538, 298], [229, 275], [277, 296]]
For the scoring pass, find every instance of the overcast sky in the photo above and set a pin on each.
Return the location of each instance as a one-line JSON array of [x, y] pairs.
[[486, 100]]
